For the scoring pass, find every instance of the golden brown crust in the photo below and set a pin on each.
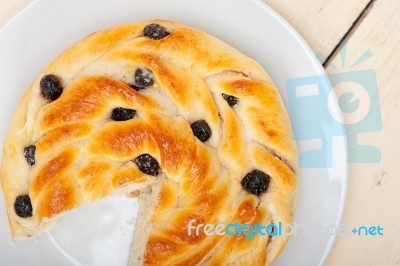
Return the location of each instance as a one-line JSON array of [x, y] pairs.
[[81, 155]]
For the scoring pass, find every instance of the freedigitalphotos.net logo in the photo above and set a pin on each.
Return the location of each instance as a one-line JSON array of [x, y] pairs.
[[280, 229], [237, 229], [312, 102]]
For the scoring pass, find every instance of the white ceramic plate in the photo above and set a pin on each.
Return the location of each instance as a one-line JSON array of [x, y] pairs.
[[38, 34]]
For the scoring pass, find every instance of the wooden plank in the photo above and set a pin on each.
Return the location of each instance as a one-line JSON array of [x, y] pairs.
[[374, 189], [373, 193], [322, 23]]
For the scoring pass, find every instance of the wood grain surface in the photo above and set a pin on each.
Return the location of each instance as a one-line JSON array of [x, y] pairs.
[[374, 188], [373, 195]]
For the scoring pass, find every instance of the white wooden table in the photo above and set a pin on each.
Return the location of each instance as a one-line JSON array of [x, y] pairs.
[[374, 189]]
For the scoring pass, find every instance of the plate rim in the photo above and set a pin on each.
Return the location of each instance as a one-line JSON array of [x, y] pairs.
[[315, 64], [318, 67]]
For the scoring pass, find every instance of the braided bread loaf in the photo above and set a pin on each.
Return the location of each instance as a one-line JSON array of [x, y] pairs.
[[166, 113]]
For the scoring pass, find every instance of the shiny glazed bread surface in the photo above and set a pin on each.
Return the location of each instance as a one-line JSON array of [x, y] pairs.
[[83, 153]]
